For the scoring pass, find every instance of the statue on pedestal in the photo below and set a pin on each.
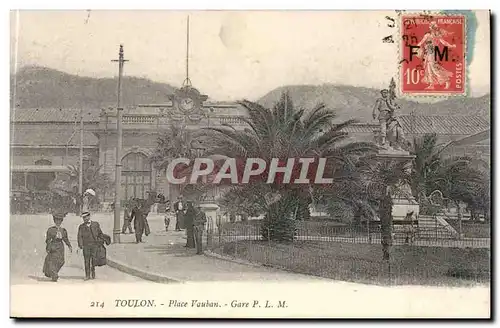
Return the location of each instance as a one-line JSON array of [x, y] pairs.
[[391, 131]]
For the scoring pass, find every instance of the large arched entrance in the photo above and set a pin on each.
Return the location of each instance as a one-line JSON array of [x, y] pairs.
[[136, 176]]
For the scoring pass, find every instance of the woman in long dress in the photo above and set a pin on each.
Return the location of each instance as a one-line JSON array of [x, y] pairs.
[[434, 72], [56, 236]]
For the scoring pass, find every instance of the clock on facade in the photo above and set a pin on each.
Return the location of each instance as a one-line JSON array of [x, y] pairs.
[[186, 104], [187, 101]]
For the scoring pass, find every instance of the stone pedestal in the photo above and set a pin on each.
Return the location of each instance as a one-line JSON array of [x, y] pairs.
[[402, 200]]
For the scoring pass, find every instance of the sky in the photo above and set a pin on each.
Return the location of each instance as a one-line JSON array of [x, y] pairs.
[[233, 55]]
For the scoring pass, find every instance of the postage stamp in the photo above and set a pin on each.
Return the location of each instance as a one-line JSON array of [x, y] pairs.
[[433, 55]]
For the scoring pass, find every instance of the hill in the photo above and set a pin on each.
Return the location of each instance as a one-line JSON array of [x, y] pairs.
[[357, 102], [41, 87]]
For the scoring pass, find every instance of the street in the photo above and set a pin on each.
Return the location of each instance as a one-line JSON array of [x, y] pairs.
[[27, 247]]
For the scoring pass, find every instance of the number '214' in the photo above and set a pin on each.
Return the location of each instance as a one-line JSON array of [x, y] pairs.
[[412, 76], [97, 304]]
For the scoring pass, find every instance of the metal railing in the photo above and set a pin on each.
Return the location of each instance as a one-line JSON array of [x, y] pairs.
[[139, 119], [352, 253]]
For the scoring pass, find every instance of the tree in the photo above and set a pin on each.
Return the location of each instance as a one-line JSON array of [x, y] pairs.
[[287, 132], [66, 185], [454, 176], [238, 201], [174, 142], [384, 180], [179, 142]]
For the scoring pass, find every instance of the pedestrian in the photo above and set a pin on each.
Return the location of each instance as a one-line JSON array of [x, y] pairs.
[[199, 225], [87, 198], [127, 217], [55, 239], [89, 238], [164, 207], [74, 203], [139, 215], [188, 223], [409, 228], [180, 211], [166, 220]]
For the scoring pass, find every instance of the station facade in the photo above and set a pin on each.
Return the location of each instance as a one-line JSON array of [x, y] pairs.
[[45, 141]]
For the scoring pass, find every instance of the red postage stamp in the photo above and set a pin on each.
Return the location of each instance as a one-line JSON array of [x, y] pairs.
[[433, 55]]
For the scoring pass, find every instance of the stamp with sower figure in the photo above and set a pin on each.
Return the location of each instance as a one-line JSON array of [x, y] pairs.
[[433, 55]]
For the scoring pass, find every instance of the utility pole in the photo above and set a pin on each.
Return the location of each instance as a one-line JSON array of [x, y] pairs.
[[80, 181], [118, 169]]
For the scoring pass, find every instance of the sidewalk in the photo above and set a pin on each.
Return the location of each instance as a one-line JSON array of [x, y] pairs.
[[163, 258]]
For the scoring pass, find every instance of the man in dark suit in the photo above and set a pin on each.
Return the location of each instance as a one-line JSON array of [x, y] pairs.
[[180, 210], [199, 221], [127, 216], [189, 218], [89, 234], [137, 217]]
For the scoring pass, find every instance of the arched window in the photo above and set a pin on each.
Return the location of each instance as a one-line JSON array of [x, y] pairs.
[[136, 176]]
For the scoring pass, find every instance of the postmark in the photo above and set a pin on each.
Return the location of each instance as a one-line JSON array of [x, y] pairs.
[[433, 55]]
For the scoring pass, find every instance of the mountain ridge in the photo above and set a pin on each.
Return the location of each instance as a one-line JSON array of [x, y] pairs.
[[42, 87], [357, 102]]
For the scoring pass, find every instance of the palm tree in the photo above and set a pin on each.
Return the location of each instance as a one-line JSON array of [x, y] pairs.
[[287, 132], [176, 142], [92, 178], [238, 201], [454, 176], [383, 180], [66, 185]]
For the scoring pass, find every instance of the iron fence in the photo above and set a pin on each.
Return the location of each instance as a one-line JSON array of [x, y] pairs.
[[353, 253], [336, 232]]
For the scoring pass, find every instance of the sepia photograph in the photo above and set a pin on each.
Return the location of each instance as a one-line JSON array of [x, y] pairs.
[[250, 164]]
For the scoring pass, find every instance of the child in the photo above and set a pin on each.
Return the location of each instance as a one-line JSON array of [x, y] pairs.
[[165, 208]]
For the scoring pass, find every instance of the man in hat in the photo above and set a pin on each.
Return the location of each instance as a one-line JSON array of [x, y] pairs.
[[89, 234], [127, 216], [199, 225], [188, 219], [139, 214]]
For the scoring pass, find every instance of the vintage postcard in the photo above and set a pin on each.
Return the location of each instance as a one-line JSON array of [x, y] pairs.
[[250, 164]]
